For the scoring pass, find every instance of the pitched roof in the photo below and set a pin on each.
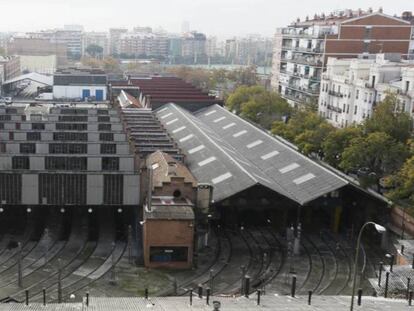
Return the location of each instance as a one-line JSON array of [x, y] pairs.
[[234, 155]]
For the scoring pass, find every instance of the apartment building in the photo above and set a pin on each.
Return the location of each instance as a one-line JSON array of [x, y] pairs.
[[351, 88], [301, 50], [194, 44], [114, 39], [33, 46], [95, 38], [65, 155], [143, 44], [9, 67]]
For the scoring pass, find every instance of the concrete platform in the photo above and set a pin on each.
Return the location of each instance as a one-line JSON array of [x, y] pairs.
[[270, 302]]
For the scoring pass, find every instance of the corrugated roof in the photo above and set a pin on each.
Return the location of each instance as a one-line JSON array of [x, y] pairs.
[[233, 155]]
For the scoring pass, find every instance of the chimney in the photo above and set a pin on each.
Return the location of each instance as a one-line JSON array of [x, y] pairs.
[[370, 10], [149, 195], [359, 12], [307, 18], [380, 10]]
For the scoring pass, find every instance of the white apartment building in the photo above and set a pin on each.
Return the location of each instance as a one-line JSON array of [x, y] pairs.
[[351, 88], [96, 38]]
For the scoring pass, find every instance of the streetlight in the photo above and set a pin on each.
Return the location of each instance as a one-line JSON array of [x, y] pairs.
[[380, 229]]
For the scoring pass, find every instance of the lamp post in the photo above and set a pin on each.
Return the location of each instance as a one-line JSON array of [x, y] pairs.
[[380, 229]]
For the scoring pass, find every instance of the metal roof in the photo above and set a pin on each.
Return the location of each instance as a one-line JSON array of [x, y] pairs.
[[233, 155]]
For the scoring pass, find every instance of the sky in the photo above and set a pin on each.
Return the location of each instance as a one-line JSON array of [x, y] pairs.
[[223, 18]]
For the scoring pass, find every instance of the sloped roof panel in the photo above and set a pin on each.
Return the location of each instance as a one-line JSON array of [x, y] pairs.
[[304, 179]]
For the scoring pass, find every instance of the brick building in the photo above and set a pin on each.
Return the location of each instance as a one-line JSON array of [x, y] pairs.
[[169, 218], [301, 50]]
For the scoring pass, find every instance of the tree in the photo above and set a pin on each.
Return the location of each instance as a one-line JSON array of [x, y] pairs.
[[94, 50], [306, 129], [111, 65], [241, 96], [244, 76], [91, 62], [403, 183], [373, 156], [388, 119], [258, 105], [336, 142]]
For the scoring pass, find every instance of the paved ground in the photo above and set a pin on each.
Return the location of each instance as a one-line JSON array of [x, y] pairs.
[[319, 303]]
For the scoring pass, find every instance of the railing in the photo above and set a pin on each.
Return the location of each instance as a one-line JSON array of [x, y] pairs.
[[302, 49], [333, 108], [301, 89], [302, 61], [337, 94]]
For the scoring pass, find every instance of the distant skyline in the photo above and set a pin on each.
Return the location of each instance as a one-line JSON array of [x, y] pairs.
[[222, 18]]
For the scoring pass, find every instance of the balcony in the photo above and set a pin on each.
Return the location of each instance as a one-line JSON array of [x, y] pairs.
[[309, 91], [289, 34], [336, 94], [303, 50], [303, 61], [333, 108]]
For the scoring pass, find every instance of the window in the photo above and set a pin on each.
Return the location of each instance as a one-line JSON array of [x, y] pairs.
[[38, 126], [110, 164], [2, 148], [11, 136], [104, 127], [65, 136], [24, 117], [72, 126], [407, 86], [113, 189], [5, 117], [106, 136], [68, 148], [33, 136], [108, 149], [17, 126], [66, 163], [355, 109], [11, 110], [73, 118], [365, 97], [357, 94], [74, 111], [104, 119], [1, 126], [20, 163], [168, 254], [103, 111], [27, 148]]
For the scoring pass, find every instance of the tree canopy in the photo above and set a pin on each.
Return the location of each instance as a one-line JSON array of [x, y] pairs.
[[94, 50], [388, 118], [258, 105]]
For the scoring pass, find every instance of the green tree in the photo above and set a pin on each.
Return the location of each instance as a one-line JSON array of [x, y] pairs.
[[244, 76], [388, 119], [94, 50], [403, 183], [306, 129], [373, 157], [264, 108], [241, 96], [258, 105], [336, 142]]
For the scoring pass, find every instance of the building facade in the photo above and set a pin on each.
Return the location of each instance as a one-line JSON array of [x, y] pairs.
[[351, 88], [96, 38], [61, 155], [34, 46], [301, 50], [10, 66], [82, 84], [143, 44], [114, 39]]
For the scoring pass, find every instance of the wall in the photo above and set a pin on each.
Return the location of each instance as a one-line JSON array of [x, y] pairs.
[[40, 64], [74, 91], [168, 233]]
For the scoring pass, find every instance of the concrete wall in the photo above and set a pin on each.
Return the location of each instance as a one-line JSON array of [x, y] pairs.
[[75, 91]]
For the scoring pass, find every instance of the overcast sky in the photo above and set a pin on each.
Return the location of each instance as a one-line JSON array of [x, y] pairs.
[[214, 17]]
